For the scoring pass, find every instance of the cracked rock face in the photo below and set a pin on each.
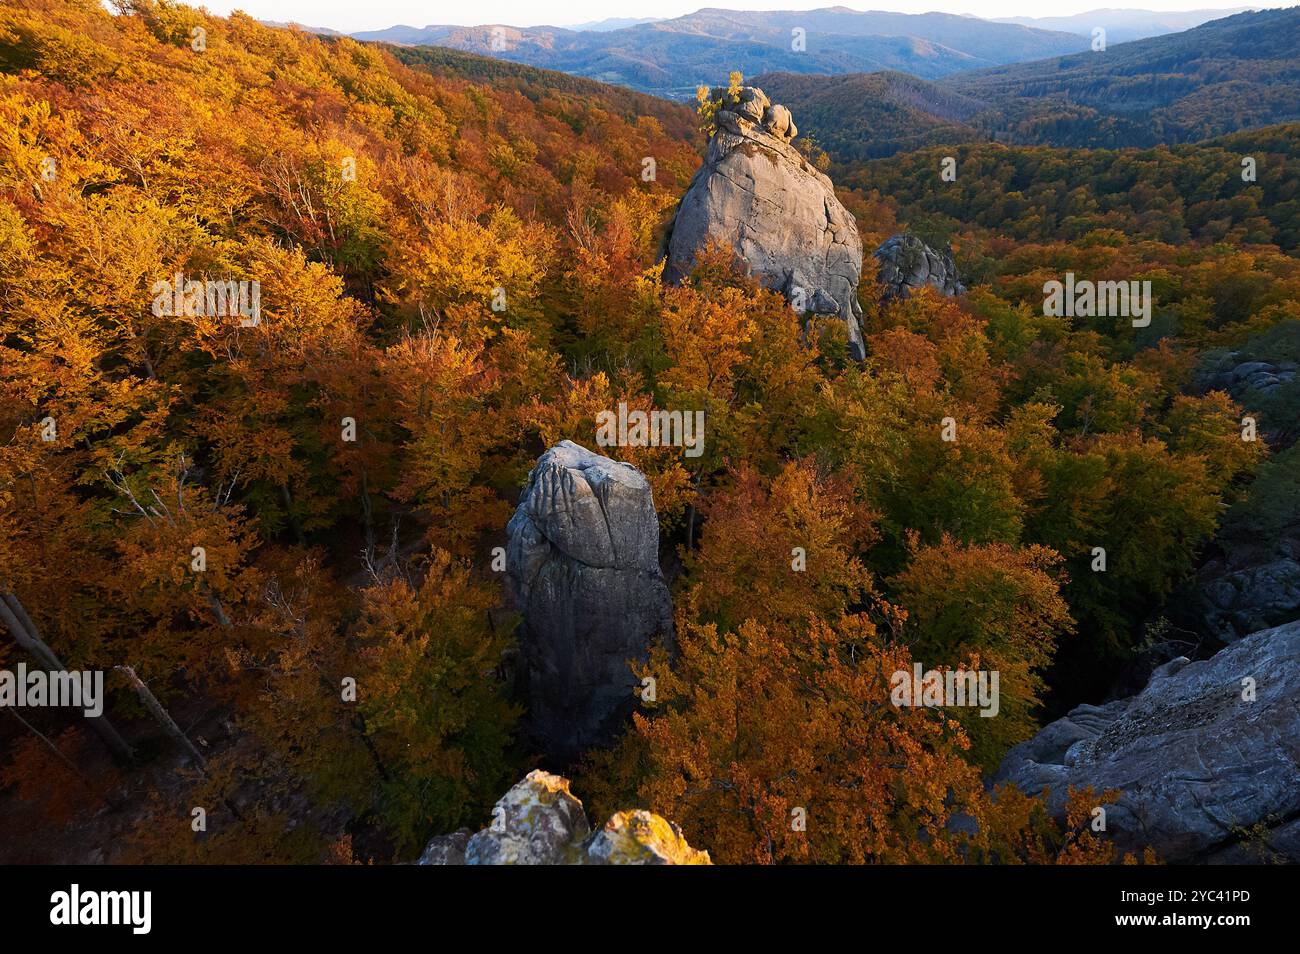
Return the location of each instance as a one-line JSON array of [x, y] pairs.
[[908, 264], [1203, 772], [583, 567], [539, 822], [757, 195]]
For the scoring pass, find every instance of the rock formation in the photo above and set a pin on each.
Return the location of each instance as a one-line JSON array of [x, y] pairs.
[[1233, 602], [1240, 377], [1205, 771], [583, 566], [757, 195], [908, 264], [1251, 577], [1260, 375], [539, 822]]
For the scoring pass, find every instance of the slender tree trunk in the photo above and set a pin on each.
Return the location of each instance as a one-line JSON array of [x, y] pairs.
[[167, 722], [293, 521], [359, 722], [158, 712], [690, 514], [218, 610], [15, 618], [367, 511], [52, 747]]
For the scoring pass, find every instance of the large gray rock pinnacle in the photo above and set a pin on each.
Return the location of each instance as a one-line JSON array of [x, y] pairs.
[[1206, 772], [583, 565], [757, 195]]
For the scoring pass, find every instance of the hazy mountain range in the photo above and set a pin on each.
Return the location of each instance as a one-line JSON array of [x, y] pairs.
[[1124, 25], [672, 57], [1235, 73], [614, 23]]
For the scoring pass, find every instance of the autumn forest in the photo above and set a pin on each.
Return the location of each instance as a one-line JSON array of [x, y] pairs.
[[278, 527]]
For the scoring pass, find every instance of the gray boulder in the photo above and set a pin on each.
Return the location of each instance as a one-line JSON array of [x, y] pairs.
[[757, 195], [539, 822], [583, 567], [1199, 768], [907, 264]]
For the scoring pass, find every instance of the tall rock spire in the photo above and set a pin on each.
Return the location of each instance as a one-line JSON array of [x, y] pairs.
[[758, 195]]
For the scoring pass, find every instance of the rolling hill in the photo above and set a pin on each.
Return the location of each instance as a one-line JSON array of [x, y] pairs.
[[871, 115]]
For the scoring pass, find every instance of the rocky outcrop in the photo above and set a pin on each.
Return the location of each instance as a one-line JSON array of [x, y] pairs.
[[1244, 601], [907, 264], [446, 849], [1250, 579], [583, 566], [1265, 387], [757, 195], [1206, 758], [1260, 375], [1239, 378], [539, 822]]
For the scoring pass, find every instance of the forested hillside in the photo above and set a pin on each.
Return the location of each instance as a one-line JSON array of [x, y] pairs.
[[1165, 194], [288, 527], [379, 208], [867, 115], [1225, 75]]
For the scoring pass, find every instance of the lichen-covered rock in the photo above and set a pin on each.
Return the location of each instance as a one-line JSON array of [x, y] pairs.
[[907, 264], [539, 822], [583, 566], [1204, 757], [759, 196], [535, 823], [642, 838]]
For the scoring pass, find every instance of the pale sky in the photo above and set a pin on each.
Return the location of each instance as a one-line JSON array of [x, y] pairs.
[[349, 16]]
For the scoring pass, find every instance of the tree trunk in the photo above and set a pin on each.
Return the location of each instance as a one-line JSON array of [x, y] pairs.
[[49, 744], [15, 617], [287, 499], [158, 712]]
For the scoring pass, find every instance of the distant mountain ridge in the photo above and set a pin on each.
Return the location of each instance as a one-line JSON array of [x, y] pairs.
[[672, 57], [1240, 72], [1122, 26]]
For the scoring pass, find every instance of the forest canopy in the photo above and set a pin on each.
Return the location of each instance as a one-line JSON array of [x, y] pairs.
[[457, 265]]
